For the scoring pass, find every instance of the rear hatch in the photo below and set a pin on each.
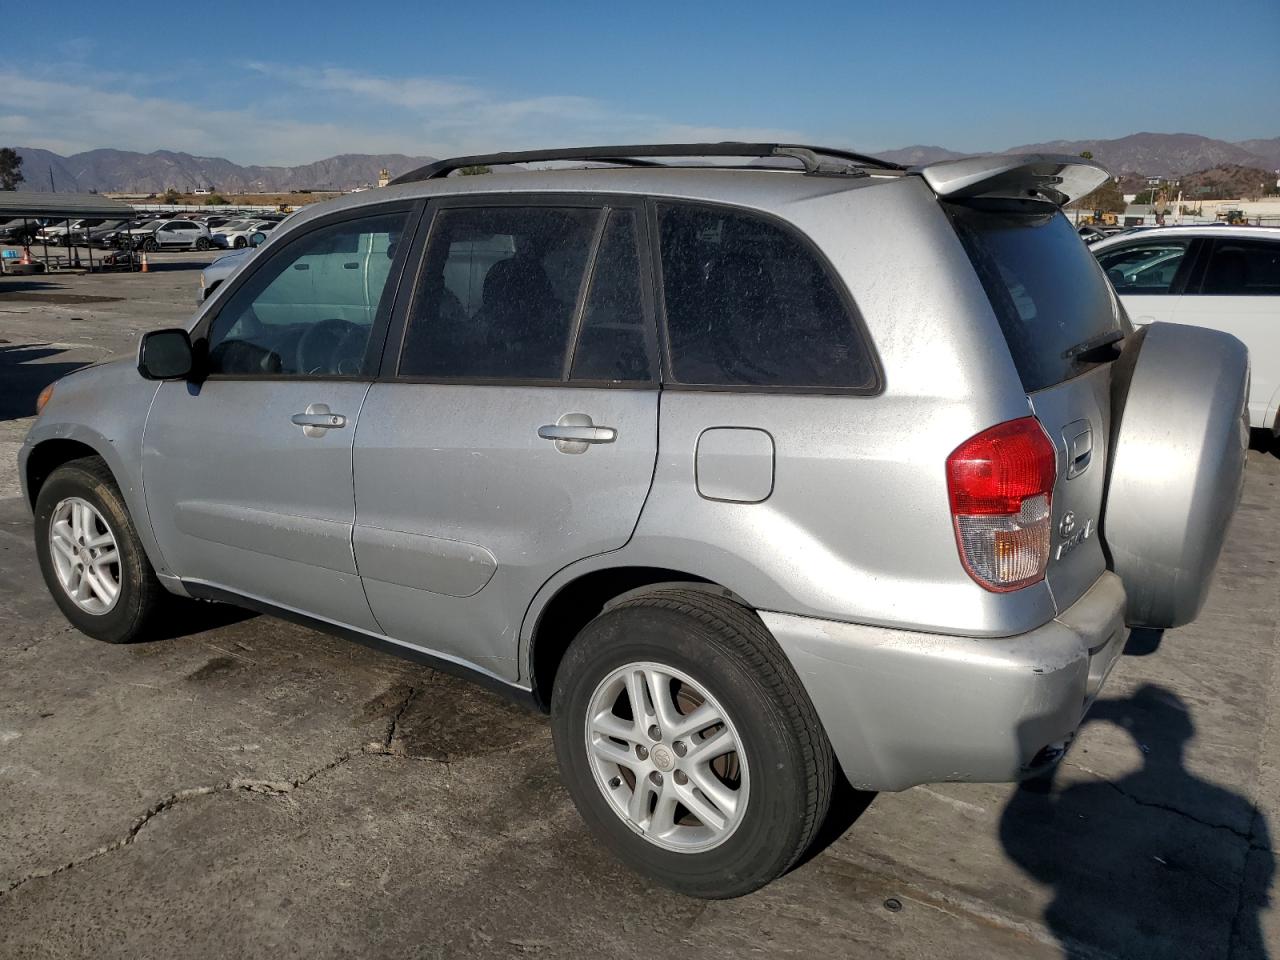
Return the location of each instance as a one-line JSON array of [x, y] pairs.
[[1063, 325]]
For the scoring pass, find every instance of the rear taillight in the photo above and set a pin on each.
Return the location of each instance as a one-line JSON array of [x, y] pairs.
[[1001, 488]]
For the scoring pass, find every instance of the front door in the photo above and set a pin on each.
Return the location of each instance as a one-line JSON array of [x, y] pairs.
[[248, 474], [515, 431]]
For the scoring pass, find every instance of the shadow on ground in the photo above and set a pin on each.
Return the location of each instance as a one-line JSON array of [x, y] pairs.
[[24, 372], [1264, 441], [1155, 863]]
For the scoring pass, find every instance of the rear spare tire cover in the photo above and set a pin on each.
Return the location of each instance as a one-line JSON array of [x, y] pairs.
[[1180, 434]]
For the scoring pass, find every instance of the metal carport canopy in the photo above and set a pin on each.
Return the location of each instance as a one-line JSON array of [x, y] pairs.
[[15, 204]]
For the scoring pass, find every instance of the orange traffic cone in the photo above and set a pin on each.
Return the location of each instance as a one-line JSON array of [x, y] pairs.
[[145, 267]]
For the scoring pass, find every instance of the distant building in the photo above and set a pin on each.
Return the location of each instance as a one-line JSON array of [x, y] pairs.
[[203, 191], [384, 177]]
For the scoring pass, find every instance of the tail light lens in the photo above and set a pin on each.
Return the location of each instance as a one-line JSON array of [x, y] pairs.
[[1001, 488]]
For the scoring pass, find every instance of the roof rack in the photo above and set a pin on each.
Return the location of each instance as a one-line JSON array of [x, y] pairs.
[[824, 160]]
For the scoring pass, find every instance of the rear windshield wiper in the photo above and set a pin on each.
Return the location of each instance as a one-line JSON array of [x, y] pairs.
[[1096, 349]]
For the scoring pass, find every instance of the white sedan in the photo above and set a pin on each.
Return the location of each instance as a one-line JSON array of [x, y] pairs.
[[1225, 278], [235, 235]]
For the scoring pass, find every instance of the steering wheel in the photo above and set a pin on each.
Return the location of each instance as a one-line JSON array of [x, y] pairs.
[[318, 348]]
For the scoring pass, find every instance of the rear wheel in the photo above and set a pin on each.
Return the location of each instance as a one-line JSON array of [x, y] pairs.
[[202, 243], [90, 555], [689, 745]]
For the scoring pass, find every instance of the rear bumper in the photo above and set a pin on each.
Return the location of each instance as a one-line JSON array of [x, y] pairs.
[[904, 708]]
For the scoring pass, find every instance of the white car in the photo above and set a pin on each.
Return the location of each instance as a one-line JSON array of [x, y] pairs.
[[235, 235], [212, 276], [1224, 278]]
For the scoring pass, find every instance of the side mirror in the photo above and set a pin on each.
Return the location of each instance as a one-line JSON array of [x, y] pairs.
[[257, 239], [165, 354]]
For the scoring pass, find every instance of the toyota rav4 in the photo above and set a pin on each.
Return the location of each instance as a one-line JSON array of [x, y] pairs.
[[753, 476]]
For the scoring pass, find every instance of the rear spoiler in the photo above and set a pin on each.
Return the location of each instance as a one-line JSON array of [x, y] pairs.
[[1057, 178]]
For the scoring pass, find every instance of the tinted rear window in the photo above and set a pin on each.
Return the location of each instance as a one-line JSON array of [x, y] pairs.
[[1045, 287], [750, 304]]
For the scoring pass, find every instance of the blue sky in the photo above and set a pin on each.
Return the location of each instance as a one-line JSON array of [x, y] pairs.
[[278, 82]]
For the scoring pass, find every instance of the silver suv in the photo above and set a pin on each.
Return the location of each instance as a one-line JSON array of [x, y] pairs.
[[754, 476]]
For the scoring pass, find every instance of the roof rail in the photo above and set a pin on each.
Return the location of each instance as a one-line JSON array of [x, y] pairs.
[[813, 159]]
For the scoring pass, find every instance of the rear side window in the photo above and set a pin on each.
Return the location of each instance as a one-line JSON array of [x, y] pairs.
[[497, 293], [1047, 290], [1147, 268], [750, 304], [1243, 268], [612, 345]]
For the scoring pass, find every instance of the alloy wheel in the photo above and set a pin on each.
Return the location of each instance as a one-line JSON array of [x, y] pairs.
[[667, 757], [86, 557]]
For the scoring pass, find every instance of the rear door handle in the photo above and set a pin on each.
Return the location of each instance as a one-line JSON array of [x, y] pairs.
[[574, 432], [317, 419]]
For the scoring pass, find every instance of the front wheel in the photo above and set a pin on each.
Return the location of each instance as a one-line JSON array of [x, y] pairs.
[[240, 243], [150, 246], [90, 555], [689, 744]]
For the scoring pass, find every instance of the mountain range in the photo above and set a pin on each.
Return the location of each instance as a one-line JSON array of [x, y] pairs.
[[124, 171]]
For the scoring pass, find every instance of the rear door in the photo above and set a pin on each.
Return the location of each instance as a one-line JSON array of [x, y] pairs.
[[1239, 293], [1149, 275], [1061, 320], [514, 429]]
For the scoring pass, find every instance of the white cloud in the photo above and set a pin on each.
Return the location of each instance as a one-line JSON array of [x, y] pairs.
[[303, 114]]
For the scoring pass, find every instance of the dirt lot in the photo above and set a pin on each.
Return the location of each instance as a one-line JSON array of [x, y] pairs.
[[247, 787]]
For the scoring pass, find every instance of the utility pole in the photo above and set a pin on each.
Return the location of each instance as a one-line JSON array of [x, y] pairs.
[[52, 189]]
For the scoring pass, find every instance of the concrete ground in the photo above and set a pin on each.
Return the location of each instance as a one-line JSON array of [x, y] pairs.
[[248, 787]]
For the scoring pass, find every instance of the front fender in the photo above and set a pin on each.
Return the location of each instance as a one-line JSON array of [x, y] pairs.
[[103, 407]]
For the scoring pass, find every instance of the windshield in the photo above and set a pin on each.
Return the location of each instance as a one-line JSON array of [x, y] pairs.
[[1049, 294]]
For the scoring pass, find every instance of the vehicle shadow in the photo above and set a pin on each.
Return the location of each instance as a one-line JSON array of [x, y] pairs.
[[22, 378], [186, 618], [25, 286], [1155, 863]]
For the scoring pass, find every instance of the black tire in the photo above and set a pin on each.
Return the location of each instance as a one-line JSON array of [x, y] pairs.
[[239, 243], [725, 648], [150, 245], [141, 594], [202, 243]]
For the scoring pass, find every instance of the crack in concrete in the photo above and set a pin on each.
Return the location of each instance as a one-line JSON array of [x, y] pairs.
[[1246, 835], [1233, 931], [269, 787], [391, 746]]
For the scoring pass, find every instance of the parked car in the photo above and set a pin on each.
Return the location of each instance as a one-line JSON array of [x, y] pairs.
[[130, 234], [166, 235], [235, 235], [20, 231], [212, 276], [1221, 277], [752, 478]]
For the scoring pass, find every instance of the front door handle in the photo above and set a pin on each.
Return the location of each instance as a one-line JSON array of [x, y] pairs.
[[574, 432], [317, 419]]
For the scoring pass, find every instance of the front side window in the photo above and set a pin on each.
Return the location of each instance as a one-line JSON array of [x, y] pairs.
[[1243, 268], [497, 293], [311, 309], [1144, 268], [750, 304]]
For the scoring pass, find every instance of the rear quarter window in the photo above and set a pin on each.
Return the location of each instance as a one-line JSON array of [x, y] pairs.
[[751, 304], [1046, 289]]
